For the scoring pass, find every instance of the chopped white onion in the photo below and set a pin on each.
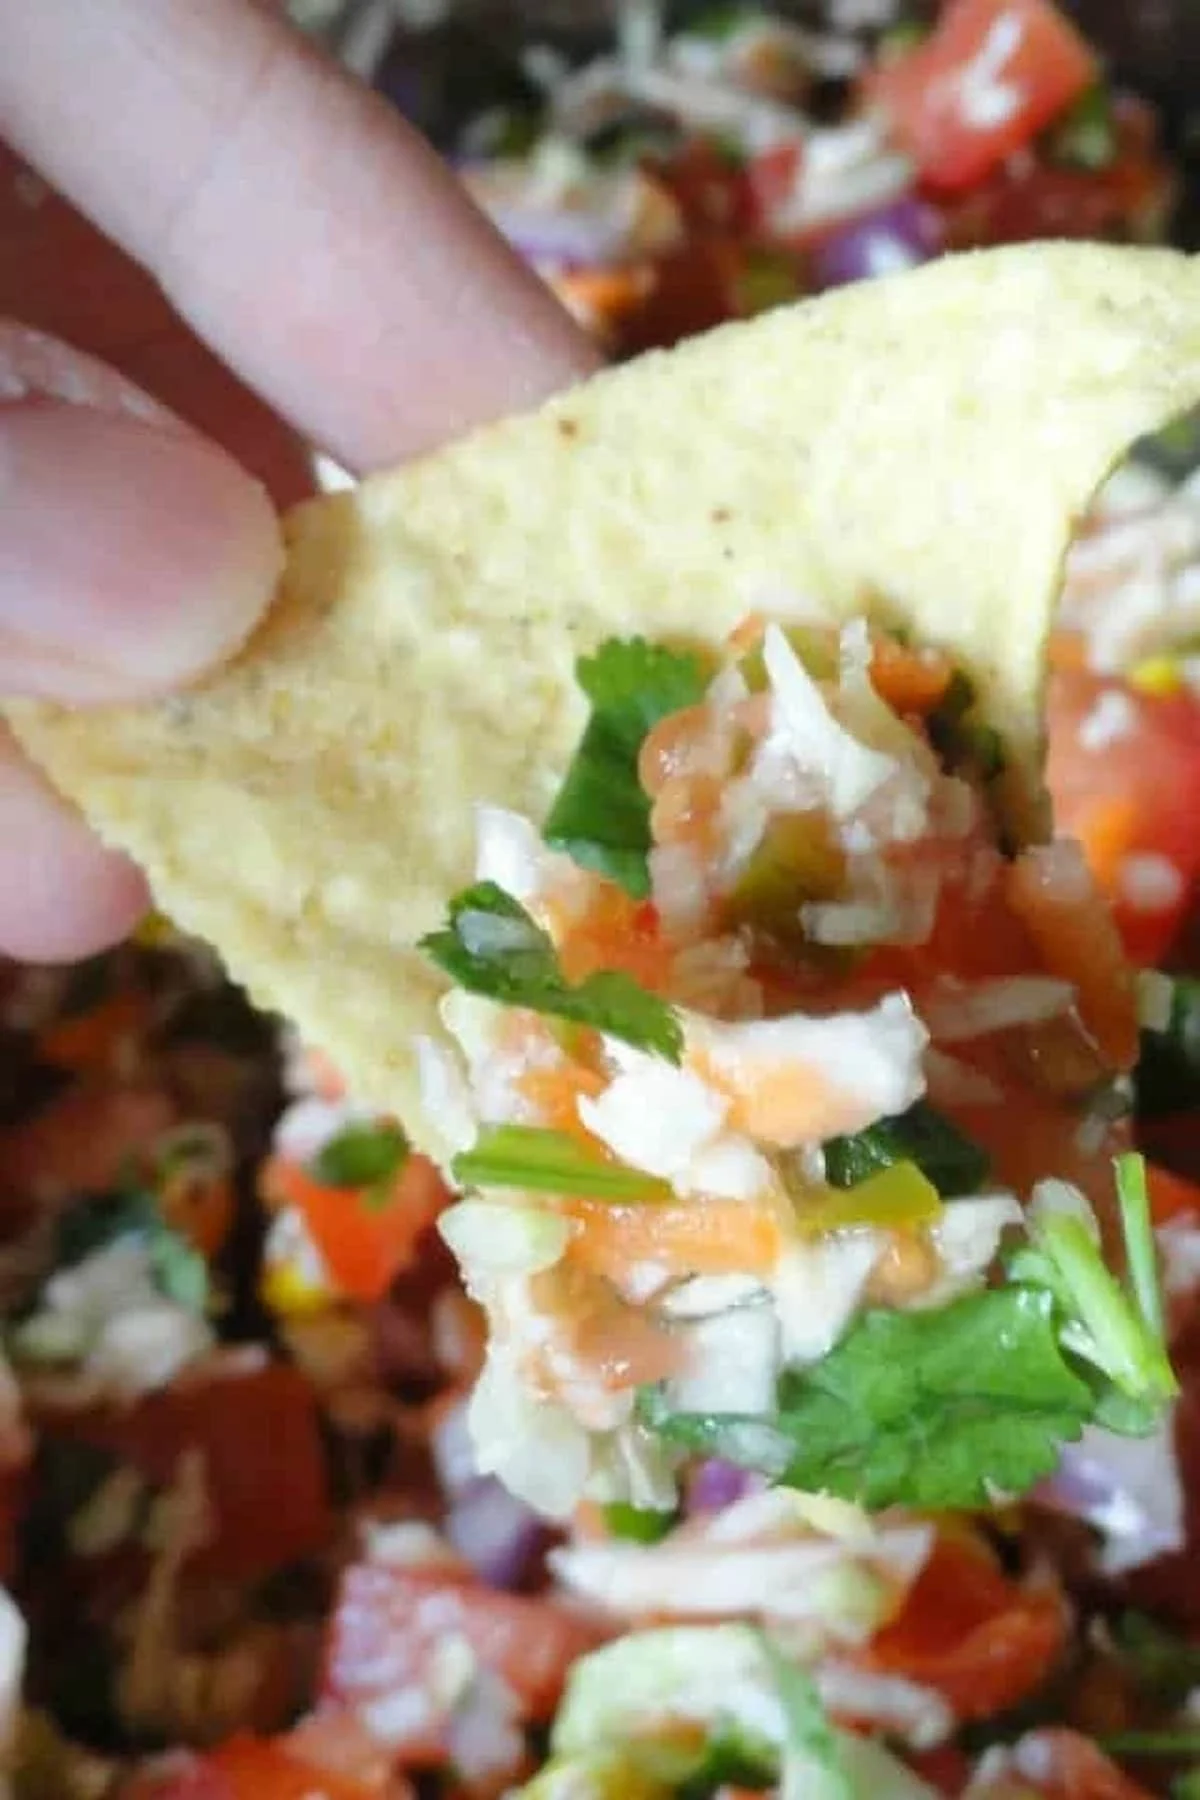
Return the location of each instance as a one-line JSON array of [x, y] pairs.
[[818, 1289], [493, 1239], [956, 1011], [847, 1069], [732, 1361], [805, 730], [655, 1117], [898, 1707]]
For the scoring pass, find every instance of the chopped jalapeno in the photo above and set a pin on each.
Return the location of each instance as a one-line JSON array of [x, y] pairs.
[[945, 1155]]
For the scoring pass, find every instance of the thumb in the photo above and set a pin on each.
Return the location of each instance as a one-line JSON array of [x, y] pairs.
[[133, 554]]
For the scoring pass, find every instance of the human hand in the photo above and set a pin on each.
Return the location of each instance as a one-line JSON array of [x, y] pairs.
[[290, 222]]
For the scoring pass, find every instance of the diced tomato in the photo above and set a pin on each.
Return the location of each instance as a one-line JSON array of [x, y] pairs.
[[92, 1039], [180, 1777], [1053, 892], [389, 1623], [616, 932], [82, 1142], [991, 76], [365, 1239], [947, 1769], [718, 1237], [1171, 1196], [966, 1630], [623, 1346], [772, 176], [1075, 1770], [694, 288], [711, 188], [911, 681], [264, 1466], [1024, 202], [603, 300], [249, 1768], [1135, 797]]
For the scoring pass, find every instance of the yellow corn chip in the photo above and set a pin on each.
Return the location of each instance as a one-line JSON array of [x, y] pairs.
[[921, 445]]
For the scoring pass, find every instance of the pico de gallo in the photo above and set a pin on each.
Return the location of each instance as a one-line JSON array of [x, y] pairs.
[[685, 179], [288, 1511], [702, 175], [1125, 704], [803, 1427]]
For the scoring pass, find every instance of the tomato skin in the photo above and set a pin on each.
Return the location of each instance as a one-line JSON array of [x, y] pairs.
[[1135, 796], [967, 1631], [1021, 202], [257, 1430], [1171, 1196], [1054, 892], [83, 1140], [1038, 65], [250, 1768], [389, 1623]]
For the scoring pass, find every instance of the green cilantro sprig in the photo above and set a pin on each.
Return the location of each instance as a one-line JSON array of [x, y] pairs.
[[550, 1162], [957, 1405], [491, 946], [601, 817]]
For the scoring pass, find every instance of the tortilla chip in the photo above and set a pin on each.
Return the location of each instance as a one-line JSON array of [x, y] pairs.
[[922, 443]]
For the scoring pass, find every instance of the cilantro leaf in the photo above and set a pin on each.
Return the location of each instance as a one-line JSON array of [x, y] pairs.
[[360, 1155], [732, 1758], [601, 817], [933, 1409], [550, 1162], [953, 1162], [491, 946]]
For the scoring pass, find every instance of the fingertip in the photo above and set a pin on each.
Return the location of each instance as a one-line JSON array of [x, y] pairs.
[[137, 558], [64, 895]]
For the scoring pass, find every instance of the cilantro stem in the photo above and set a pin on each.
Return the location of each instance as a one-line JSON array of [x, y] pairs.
[[1134, 1201], [550, 1162], [1152, 1743], [1125, 1348]]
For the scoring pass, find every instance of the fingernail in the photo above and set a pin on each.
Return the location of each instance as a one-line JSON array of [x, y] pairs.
[[133, 555]]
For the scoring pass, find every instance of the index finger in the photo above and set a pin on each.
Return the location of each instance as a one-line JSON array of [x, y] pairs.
[[292, 217]]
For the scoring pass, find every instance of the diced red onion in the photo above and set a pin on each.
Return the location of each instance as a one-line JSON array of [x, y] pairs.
[[453, 1451], [897, 236], [495, 1532], [714, 1485], [1128, 1489]]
